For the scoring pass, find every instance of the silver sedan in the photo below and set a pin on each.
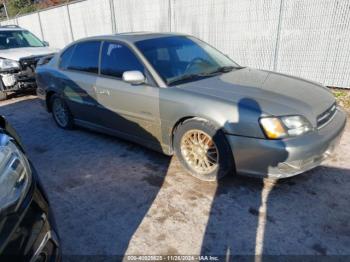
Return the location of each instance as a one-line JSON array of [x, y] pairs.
[[176, 94]]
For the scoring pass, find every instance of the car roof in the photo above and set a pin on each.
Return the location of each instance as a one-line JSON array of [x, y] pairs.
[[11, 28], [131, 36]]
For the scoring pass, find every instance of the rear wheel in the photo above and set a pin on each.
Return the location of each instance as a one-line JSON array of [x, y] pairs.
[[203, 150], [61, 113]]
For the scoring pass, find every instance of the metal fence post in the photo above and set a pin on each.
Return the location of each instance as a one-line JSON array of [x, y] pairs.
[[170, 15], [114, 25], [277, 46], [41, 27], [70, 23]]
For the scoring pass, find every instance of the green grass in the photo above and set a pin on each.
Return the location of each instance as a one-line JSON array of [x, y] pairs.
[[343, 97]]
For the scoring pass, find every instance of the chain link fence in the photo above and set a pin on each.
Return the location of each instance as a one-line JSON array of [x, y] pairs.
[[306, 38]]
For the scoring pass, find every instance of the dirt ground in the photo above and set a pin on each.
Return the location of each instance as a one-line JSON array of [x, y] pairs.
[[112, 197]]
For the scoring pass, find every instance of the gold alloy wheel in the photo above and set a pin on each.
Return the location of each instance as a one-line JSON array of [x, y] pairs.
[[199, 151]]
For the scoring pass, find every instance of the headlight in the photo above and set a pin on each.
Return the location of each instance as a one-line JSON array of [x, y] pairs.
[[297, 125], [6, 64], [285, 126], [15, 174]]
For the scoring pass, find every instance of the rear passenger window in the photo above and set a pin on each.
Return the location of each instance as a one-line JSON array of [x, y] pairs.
[[85, 57], [66, 56], [117, 58]]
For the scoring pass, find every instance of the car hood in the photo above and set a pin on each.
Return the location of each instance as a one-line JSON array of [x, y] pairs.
[[18, 53], [275, 93]]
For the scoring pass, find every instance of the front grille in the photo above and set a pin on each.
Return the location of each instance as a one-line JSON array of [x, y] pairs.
[[28, 65], [29, 62], [326, 116]]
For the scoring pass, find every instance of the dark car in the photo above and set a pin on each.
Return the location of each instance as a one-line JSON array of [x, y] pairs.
[[176, 94], [27, 229]]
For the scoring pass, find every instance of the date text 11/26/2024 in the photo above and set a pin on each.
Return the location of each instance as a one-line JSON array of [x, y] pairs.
[[172, 258]]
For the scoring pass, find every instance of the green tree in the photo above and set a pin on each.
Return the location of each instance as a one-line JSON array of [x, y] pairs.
[[15, 7]]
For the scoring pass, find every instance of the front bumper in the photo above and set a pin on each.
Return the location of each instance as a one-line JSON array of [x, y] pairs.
[[286, 157], [17, 81], [30, 234]]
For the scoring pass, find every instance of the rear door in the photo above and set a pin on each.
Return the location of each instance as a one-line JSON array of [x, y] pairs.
[[77, 78], [130, 109]]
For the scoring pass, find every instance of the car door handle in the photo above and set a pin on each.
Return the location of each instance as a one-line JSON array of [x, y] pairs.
[[102, 92]]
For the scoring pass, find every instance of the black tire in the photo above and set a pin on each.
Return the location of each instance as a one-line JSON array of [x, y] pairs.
[[64, 119], [3, 96], [225, 161]]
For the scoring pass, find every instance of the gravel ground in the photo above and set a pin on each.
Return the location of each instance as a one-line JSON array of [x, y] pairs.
[[110, 196]]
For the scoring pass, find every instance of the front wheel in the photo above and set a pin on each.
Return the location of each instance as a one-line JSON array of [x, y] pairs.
[[203, 150], [61, 113]]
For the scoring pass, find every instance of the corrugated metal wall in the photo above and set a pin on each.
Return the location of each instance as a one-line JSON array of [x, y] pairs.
[[307, 38]]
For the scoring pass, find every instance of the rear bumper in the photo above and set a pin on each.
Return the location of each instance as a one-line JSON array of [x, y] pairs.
[[287, 157]]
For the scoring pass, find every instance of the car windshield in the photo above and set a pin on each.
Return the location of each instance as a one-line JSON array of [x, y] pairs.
[[179, 59], [18, 38]]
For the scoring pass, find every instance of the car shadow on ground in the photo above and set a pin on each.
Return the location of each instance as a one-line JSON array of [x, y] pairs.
[[101, 189], [302, 215]]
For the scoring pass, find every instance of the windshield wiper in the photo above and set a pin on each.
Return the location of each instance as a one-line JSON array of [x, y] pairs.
[[224, 69], [186, 77], [221, 69]]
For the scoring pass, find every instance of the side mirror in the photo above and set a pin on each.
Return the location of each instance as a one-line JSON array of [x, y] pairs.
[[46, 43], [134, 77]]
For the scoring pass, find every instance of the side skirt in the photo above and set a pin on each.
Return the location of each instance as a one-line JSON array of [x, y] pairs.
[[162, 148]]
